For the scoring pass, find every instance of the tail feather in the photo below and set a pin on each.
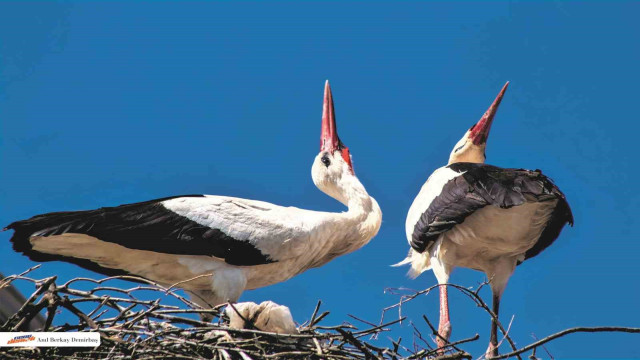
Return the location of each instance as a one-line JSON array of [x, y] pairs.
[[406, 261], [57, 223], [419, 262], [44, 225], [81, 222]]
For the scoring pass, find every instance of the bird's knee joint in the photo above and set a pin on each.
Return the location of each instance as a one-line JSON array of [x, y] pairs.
[[445, 330]]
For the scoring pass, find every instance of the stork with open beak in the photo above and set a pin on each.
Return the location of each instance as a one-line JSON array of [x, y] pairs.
[[482, 217], [242, 244]]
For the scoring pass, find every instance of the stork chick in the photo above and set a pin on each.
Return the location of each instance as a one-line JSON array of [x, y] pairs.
[[267, 316]]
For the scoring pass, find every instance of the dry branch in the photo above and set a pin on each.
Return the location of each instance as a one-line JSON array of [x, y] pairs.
[[132, 327]]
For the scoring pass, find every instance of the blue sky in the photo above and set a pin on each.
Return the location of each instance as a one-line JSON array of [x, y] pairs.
[[103, 104]]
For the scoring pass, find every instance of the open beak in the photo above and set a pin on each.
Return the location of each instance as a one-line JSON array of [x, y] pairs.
[[329, 140], [480, 131]]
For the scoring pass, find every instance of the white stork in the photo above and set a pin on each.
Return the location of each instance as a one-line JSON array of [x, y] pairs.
[[482, 217], [266, 316], [244, 244]]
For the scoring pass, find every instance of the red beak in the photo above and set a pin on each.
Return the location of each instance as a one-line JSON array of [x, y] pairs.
[[480, 131], [329, 140]]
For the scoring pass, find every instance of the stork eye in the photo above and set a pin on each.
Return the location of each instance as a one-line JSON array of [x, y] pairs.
[[325, 160]]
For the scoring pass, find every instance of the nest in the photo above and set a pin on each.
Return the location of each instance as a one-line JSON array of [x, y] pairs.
[[132, 327], [143, 322]]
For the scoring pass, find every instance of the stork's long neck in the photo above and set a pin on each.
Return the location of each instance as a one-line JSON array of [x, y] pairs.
[[357, 199], [362, 220]]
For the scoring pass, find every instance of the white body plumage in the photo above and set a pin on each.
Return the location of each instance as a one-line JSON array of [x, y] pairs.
[[492, 239], [222, 245]]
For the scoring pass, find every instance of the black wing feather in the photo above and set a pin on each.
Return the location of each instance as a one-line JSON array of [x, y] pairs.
[[142, 226], [483, 185]]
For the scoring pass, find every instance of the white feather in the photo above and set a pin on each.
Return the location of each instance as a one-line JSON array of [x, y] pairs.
[[268, 316], [430, 190], [295, 239]]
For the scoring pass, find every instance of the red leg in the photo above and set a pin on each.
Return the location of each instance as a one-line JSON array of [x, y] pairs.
[[444, 328]]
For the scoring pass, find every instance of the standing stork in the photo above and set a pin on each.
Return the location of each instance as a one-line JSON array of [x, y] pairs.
[[482, 217], [242, 244]]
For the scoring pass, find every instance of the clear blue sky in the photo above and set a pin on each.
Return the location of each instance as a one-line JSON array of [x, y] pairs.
[[103, 104]]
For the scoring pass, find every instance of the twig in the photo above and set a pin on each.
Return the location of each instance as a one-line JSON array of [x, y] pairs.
[[565, 332], [437, 334], [508, 329], [186, 281], [150, 329]]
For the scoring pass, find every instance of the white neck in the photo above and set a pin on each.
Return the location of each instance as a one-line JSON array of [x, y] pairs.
[[466, 151], [353, 194], [362, 220], [471, 156]]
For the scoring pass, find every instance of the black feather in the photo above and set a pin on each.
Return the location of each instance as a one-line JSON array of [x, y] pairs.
[[483, 185], [142, 226]]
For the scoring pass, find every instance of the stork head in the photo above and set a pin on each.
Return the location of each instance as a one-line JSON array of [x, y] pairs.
[[471, 148], [332, 166]]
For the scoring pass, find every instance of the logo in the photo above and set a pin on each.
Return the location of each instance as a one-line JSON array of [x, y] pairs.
[[48, 339], [21, 338]]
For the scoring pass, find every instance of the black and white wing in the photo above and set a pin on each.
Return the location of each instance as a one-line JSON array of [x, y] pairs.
[[456, 191], [237, 231]]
